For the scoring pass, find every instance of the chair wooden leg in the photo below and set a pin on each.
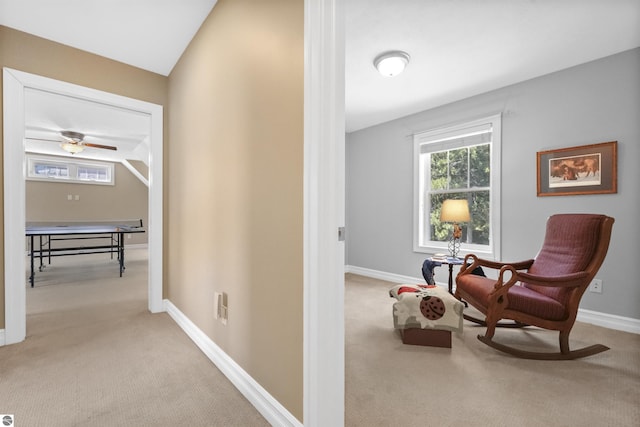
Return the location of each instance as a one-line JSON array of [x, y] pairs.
[[564, 342], [490, 331], [562, 355], [482, 322]]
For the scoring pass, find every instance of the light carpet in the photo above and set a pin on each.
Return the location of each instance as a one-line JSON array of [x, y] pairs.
[[95, 356], [392, 384]]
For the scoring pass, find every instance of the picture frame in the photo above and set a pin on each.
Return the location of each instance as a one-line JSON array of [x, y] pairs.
[[586, 169]]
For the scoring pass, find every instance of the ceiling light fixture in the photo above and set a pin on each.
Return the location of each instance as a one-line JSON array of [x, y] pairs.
[[72, 148], [392, 63]]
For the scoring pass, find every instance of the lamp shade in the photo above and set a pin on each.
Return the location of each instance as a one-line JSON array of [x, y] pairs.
[[455, 211]]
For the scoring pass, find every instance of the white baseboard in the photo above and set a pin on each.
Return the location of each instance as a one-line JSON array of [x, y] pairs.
[[269, 408], [382, 275], [3, 341], [137, 246], [611, 321], [391, 277]]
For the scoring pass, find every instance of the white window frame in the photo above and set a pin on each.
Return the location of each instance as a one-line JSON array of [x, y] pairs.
[[438, 138], [73, 166]]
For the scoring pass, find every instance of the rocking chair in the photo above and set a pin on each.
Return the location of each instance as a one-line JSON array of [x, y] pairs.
[[545, 291]]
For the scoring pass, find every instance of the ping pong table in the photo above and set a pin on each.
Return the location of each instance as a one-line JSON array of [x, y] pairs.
[[107, 237]]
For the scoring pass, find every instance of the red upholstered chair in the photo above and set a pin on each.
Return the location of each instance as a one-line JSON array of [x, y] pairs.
[[544, 291]]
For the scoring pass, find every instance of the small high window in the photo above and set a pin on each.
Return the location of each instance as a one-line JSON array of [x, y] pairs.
[[55, 169]]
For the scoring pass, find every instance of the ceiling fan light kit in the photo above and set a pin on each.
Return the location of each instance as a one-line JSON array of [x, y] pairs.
[[73, 136], [392, 63], [75, 142], [72, 147]]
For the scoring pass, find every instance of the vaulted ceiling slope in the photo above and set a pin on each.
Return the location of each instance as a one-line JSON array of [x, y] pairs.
[[148, 34]]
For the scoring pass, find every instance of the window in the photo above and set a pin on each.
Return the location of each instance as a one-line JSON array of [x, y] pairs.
[[53, 169], [458, 162]]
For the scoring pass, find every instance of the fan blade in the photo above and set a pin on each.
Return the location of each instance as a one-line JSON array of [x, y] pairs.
[[106, 147], [42, 139]]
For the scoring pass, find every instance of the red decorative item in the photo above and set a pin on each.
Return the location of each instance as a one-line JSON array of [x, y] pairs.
[[404, 289]]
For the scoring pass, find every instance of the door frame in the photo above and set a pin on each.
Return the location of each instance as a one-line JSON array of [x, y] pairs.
[[324, 213], [14, 85]]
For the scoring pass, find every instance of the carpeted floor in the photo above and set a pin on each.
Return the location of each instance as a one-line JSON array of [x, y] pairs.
[[95, 356], [392, 384]]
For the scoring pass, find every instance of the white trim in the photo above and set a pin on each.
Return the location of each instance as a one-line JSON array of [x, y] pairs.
[[269, 408], [323, 213], [14, 84], [382, 275], [2, 338], [611, 321], [135, 172], [395, 278], [137, 246], [14, 208], [72, 166], [494, 249], [156, 208]]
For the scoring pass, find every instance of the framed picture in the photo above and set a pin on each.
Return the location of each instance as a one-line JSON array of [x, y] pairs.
[[587, 169]]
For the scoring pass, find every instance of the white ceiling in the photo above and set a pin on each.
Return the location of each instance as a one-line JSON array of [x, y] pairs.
[[458, 48], [149, 34], [47, 114], [461, 48]]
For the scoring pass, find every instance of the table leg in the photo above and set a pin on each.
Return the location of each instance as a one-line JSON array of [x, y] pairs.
[[121, 251], [451, 279], [40, 254], [48, 249], [31, 278]]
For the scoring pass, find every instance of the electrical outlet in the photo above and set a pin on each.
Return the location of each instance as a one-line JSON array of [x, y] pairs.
[[596, 286], [217, 301], [225, 308], [221, 311], [225, 313]]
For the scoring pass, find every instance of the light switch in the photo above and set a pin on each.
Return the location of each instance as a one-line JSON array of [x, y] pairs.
[[77, 197], [69, 197]]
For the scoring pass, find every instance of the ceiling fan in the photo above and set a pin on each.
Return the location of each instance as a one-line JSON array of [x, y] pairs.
[[74, 142]]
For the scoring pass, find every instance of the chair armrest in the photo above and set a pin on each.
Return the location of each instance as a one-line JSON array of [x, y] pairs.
[[472, 261], [564, 281]]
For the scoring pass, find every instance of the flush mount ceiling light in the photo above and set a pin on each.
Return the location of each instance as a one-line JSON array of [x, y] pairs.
[[392, 63]]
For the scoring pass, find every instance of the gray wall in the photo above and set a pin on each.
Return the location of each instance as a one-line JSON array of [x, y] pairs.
[[595, 102]]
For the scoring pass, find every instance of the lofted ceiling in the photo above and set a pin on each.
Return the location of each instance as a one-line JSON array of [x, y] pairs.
[[148, 34], [48, 114], [458, 48]]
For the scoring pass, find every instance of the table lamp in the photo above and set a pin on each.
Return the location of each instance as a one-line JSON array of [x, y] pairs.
[[455, 211]]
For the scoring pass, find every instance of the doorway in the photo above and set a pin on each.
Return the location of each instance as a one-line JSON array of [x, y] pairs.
[[15, 85]]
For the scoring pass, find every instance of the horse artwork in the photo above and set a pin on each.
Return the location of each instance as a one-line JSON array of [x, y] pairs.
[[583, 170], [588, 169]]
